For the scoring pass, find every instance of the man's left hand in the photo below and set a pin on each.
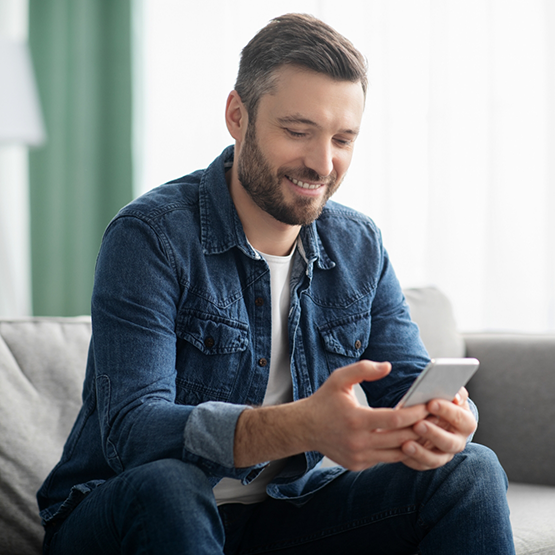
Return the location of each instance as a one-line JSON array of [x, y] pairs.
[[443, 434]]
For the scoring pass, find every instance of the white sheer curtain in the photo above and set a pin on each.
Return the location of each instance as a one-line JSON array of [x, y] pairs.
[[456, 162], [15, 257]]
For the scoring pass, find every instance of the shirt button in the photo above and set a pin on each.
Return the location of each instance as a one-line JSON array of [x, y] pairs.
[[358, 344], [262, 362], [209, 342], [259, 301]]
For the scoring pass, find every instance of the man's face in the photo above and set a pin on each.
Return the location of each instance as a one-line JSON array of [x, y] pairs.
[[297, 152]]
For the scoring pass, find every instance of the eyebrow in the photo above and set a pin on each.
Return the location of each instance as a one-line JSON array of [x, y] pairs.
[[298, 119]]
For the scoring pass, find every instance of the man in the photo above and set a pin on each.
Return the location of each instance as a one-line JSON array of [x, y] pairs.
[[233, 311]]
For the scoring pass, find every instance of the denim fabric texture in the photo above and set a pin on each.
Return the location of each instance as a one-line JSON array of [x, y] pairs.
[[181, 336], [167, 507]]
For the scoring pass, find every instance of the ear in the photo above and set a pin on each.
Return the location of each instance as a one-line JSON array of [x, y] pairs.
[[236, 117]]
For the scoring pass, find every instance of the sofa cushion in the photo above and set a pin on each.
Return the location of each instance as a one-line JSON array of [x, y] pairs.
[[532, 517], [42, 364], [433, 313]]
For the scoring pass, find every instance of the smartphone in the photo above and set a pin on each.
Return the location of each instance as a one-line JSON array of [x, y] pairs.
[[441, 379]]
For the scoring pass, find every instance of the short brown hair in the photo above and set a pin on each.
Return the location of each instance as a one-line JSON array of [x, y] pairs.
[[300, 40]]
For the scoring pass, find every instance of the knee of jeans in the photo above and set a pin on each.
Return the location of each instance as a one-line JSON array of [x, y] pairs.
[[483, 465], [170, 479]]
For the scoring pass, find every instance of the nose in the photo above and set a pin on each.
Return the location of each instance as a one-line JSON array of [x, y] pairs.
[[319, 158]]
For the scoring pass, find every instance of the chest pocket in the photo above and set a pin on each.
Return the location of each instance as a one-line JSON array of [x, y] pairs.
[[345, 340], [210, 351]]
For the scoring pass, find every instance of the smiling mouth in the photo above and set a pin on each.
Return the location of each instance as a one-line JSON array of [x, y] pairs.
[[304, 185]]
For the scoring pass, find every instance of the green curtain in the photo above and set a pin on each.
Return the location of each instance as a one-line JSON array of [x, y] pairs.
[[83, 175]]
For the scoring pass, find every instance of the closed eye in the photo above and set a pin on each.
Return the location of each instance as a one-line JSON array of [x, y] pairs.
[[344, 142], [295, 134]]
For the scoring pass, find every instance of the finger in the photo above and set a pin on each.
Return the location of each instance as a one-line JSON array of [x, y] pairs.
[[461, 397], [363, 461], [391, 419], [459, 417], [437, 421], [372, 447], [361, 371], [437, 438], [389, 439], [421, 458]]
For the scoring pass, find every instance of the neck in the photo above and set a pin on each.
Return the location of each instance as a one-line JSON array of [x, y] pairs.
[[264, 232]]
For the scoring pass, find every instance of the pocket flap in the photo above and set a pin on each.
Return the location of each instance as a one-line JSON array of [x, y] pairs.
[[213, 335], [348, 337]]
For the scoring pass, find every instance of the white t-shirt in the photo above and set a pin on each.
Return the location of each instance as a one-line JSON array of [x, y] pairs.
[[280, 385]]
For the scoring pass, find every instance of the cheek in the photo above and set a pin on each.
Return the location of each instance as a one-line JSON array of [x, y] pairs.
[[286, 153], [278, 153], [342, 164]]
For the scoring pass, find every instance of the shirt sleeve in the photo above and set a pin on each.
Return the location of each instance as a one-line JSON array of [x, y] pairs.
[[394, 338], [134, 307]]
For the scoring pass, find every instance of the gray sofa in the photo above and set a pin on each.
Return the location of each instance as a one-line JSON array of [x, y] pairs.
[[42, 363]]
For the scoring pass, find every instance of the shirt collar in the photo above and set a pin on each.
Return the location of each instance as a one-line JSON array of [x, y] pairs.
[[221, 227]]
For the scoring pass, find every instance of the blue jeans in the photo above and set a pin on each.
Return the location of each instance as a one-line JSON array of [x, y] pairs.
[[167, 507]]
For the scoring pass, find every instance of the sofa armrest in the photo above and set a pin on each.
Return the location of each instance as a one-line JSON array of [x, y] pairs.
[[515, 393]]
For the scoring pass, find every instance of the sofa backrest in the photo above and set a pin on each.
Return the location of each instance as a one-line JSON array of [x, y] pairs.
[[42, 365], [433, 313]]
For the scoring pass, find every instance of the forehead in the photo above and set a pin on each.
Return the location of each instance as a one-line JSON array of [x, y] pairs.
[[299, 94]]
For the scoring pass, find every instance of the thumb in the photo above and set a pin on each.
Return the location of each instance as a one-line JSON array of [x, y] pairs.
[[362, 371]]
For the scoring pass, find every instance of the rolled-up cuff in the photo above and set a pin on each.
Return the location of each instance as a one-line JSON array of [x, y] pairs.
[[210, 431], [474, 410]]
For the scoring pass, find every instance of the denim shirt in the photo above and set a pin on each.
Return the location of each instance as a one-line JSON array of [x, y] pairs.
[[181, 337]]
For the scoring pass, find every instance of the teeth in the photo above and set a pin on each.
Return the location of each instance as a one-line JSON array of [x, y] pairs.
[[304, 185]]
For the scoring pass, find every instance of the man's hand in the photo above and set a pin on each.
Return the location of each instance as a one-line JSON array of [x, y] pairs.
[[443, 434], [354, 436], [332, 422]]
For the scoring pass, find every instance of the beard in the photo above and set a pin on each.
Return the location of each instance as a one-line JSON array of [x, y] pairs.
[[264, 185]]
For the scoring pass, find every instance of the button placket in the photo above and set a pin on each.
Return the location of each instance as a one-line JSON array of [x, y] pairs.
[[259, 302]]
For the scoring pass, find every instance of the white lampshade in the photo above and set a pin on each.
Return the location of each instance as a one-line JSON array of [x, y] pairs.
[[20, 116]]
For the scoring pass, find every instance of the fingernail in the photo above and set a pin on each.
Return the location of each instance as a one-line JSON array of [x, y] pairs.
[[421, 428], [434, 406], [410, 449]]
